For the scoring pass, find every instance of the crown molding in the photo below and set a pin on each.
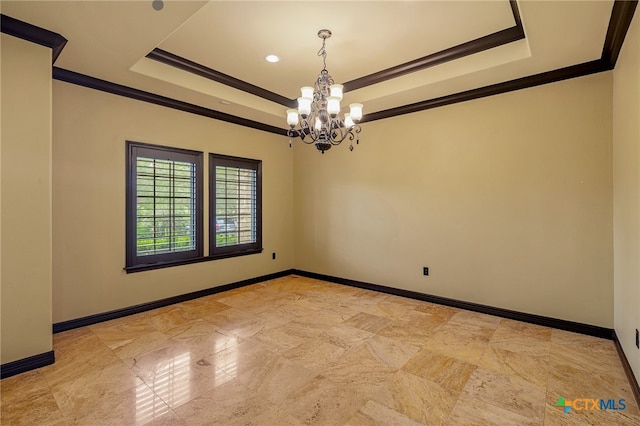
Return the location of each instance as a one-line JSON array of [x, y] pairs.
[[179, 62], [140, 95], [481, 44], [621, 16], [508, 86], [456, 52], [34, 34]]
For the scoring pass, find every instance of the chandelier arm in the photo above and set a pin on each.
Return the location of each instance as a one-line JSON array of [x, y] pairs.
[[303, 138], [341, 132], [299, 133], [307, 131], [293, 132], [343, 137]]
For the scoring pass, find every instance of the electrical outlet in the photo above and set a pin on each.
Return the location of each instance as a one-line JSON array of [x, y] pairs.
[[273, 256], [425, 270], [637, 339]]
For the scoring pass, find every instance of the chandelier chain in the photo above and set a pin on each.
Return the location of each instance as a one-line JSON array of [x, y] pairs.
[[323, 52]]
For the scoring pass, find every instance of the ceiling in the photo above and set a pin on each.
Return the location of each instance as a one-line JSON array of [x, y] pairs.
[[389, 54]]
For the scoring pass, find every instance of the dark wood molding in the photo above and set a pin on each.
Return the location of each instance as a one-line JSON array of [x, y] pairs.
[[140, 95], [216, 160], [161, 265], [34, 34], [456, 52], [487, 42], [134, 150], [495, 89], [591, 330], [184, 64], [119, 313], [483, 43], [621, 16], [516, 14], [635, 388], [26, 364]]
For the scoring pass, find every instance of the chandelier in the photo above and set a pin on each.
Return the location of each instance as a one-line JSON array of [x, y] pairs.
[[319, 108]]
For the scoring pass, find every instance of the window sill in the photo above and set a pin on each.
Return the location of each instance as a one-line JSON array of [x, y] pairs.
[[160, 265]]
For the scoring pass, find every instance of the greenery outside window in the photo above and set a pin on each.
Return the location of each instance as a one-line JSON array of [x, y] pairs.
[[235, 223], [164, 205]]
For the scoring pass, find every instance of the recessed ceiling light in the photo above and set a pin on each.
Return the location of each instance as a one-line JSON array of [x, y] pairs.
[[272, 58]]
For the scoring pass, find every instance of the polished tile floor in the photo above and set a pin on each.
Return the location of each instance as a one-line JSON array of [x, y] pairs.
[[295, 351]]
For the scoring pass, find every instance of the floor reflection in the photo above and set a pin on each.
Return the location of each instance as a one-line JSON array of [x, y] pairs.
[[383, 360], [149, 406], [171, 385]]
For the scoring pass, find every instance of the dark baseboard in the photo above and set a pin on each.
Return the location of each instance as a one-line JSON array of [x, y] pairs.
[[119, 313], [26, 364], [635, 388], [591, 330], [37, 361]]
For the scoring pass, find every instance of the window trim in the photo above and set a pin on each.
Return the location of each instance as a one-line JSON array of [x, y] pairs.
[[238, 249], [160, 265], [134, 262]]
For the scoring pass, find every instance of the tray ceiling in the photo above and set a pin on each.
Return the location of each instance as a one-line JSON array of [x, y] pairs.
[[111, 40]]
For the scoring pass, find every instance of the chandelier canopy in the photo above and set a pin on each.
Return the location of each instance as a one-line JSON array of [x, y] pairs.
[[318, 114]]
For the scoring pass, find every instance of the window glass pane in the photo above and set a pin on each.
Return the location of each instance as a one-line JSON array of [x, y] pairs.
[[166, 205], [235, 206]]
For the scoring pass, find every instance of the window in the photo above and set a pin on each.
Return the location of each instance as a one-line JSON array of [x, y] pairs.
[[235, 186], [164, 205]]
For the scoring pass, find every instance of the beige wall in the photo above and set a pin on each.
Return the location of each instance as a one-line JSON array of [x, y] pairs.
[[626, 193], [89, 132], [25, 151], [507, 199]]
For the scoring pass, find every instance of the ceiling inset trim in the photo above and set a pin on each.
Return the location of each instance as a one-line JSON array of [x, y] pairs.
[[179, 62], [487, 42], [469, 48], [621, 16], [490, 41], [140, 95], [26, 31], [573, 71]]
